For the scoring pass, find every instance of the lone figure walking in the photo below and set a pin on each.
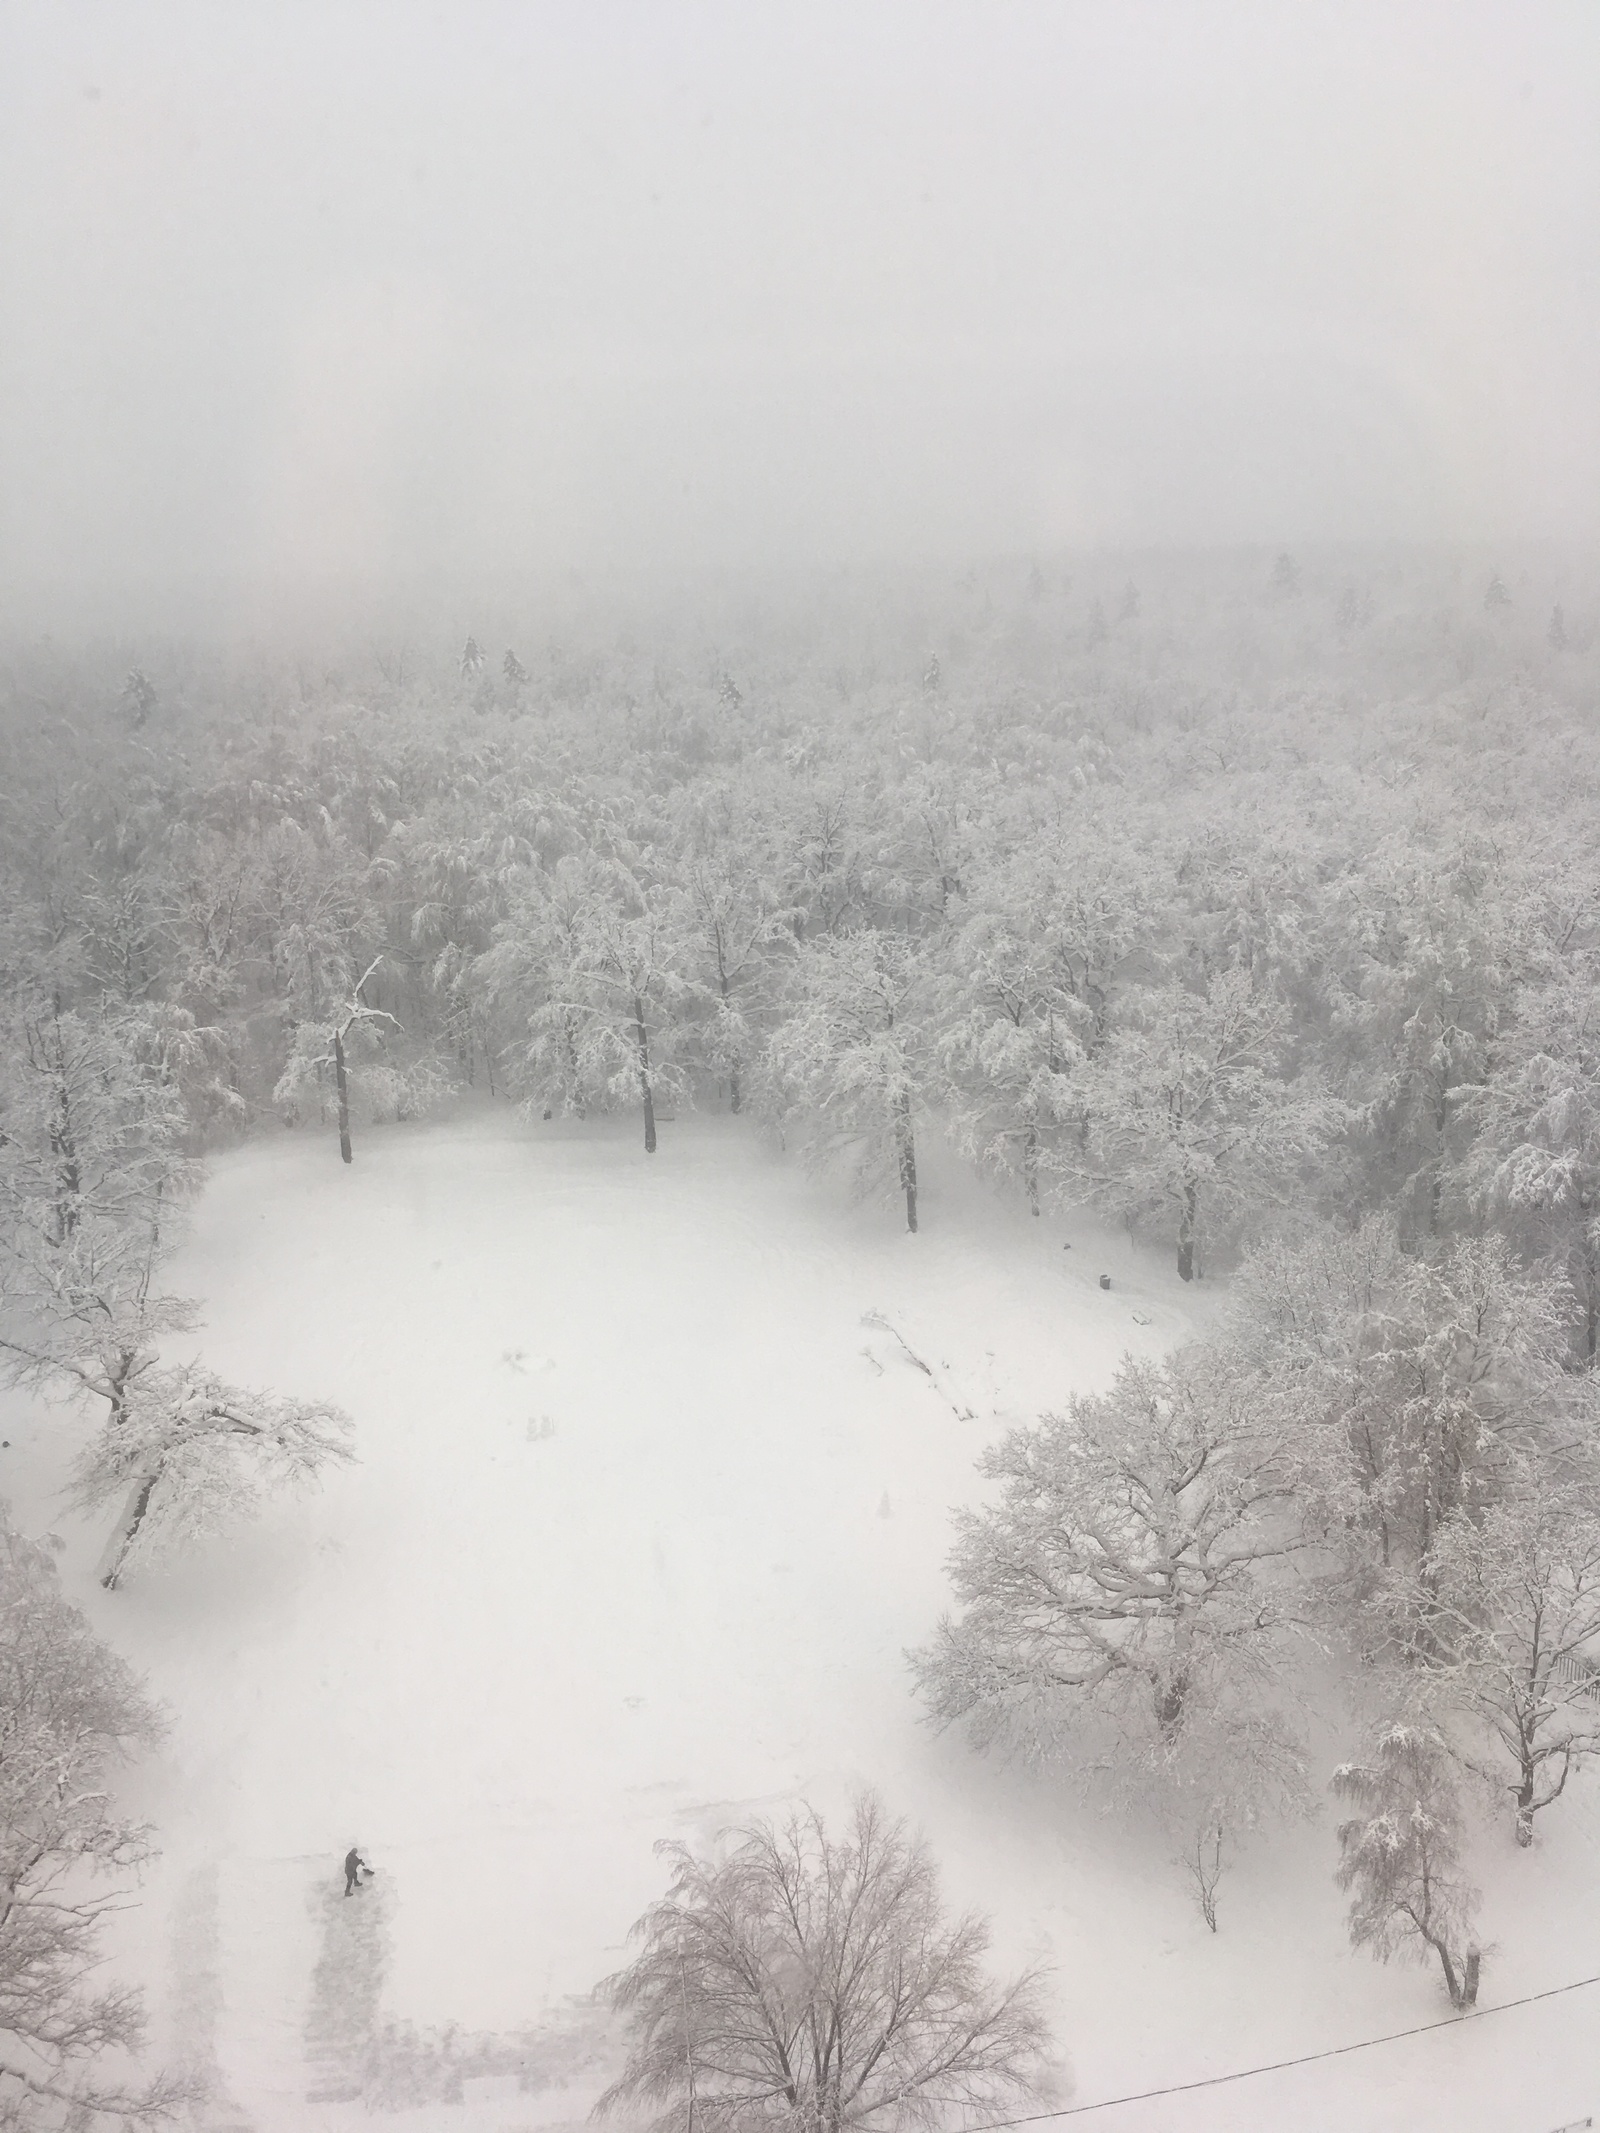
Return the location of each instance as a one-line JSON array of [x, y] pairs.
[[354, 1867]]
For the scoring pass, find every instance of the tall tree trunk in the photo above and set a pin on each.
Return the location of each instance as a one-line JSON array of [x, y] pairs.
[[641, 1043], [1524, 1797], [1188, 1220], [127, 1530], [69, 1181], [735, 1096], [343, 1086], [906, 1151], [1030, 1166], [574, 1084]]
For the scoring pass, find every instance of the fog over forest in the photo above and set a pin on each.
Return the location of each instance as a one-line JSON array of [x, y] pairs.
[[799, 1065], [350, 303]]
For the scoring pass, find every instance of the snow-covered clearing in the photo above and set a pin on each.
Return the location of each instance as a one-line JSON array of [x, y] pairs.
[[644, 1517]]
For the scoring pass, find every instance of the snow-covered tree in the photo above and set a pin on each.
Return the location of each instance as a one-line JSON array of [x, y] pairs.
[[816, 1980], [1024, 984], [330, 1044], [1411, 1389], [1538, 1121], [138, 699], [852, 1056], [1192, 1112], [1425, 949], [70, 1710], [600, 958], [1400, 1855], [739, 931], [1232, 1769], [91, 1126], [822, 861], [1513, 1601], [187, 1454], [1126, 1573], [319, 928]]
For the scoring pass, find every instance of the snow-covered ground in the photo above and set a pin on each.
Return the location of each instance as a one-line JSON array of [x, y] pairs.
[[644, 1517]]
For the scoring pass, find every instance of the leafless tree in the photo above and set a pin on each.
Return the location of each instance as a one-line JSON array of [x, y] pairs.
[[816, 1980]]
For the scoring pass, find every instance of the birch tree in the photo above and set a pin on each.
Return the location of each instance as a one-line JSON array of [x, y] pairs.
[[1400, 1855]]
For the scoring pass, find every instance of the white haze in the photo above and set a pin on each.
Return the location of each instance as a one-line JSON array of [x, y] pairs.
[[300, 299]]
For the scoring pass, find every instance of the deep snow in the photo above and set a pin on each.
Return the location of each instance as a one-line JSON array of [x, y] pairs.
[[644, 1518]]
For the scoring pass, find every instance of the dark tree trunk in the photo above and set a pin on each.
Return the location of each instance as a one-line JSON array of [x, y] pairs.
[[69, 1182], [1030, 1167], [132, 1519], [573, 1085], [1187, 1222], [1524, 1799], [906, 1152], [1172, 1694], [1463, 1986], [342, 1084], [734, 1096], [641, 1043]]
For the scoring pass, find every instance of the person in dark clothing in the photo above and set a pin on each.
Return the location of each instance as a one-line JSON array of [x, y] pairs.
[[354, 1867]]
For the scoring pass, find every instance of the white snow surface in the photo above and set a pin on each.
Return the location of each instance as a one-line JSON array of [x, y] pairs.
[[643, 1520]]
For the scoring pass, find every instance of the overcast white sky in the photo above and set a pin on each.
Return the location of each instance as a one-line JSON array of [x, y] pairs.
[[325, 292]]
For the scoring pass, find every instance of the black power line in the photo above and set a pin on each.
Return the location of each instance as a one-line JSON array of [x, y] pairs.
[[1275, 2066]]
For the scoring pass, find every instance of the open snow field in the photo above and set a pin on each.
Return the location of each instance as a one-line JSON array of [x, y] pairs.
[[643, 1519]]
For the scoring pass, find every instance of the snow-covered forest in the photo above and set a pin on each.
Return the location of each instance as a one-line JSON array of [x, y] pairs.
[[1247, 905], [799, 1066]]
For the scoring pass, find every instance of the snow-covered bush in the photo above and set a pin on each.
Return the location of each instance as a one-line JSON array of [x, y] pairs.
[[387, 1089]]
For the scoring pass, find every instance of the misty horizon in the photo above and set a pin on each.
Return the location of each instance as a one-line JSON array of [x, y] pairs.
[[341, 303]]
